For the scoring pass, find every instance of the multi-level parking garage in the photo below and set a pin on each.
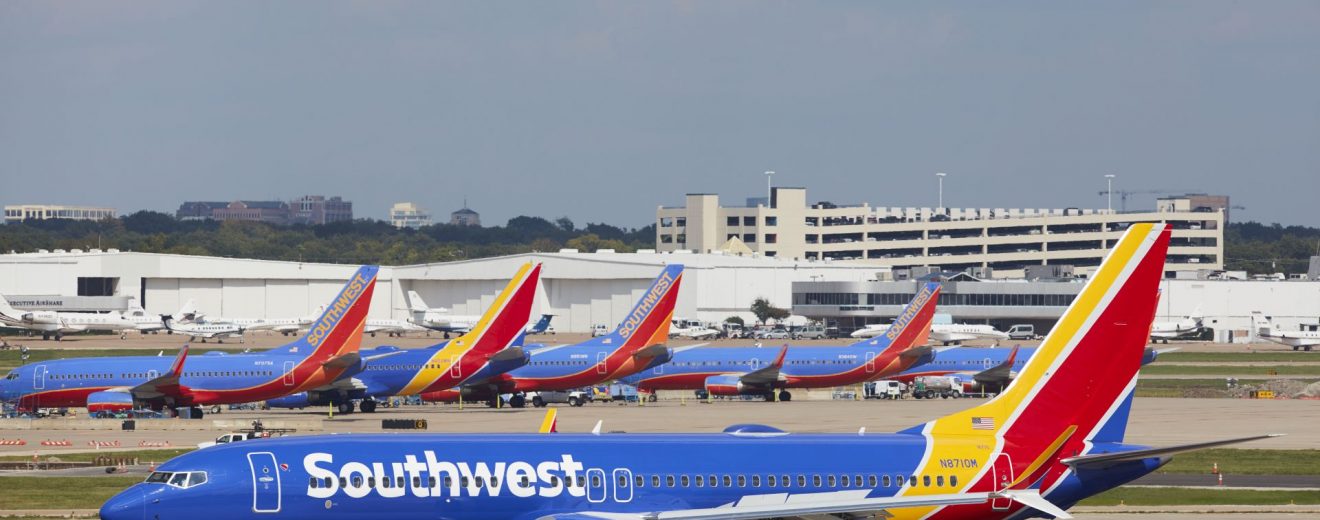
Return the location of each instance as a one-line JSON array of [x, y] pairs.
[[1004, 240]]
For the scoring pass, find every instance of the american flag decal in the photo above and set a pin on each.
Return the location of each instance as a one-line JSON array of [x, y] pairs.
[[983, 423]]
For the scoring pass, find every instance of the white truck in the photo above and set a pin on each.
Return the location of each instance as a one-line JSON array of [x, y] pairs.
[[233, 437], [884, 389], [572, 398]]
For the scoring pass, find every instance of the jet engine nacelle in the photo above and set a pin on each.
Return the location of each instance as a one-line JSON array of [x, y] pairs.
[[109, 401], [298, 400], [39, 318]]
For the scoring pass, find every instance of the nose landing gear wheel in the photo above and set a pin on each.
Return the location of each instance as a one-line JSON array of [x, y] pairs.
[[785, 396]]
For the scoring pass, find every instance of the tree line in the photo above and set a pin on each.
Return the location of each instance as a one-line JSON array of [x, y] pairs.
[[1248, 246], [354, 242]]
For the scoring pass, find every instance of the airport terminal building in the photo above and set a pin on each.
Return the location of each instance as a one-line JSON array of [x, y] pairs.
[[993, 242], [586, 289]]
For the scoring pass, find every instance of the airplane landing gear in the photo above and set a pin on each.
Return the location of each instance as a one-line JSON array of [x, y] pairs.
[[518, 401], [368, 406], [785, 396], [346, 407]]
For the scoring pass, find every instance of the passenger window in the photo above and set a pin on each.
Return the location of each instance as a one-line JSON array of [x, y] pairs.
[[815, 480], [494, 482], [728, 481], [357, 481], [669, 480], [371, 482], [884, 480], [403, 481], [802, 480], [623, 481], [685, 481], [857, 480], [714, 482], [870, 480], [770, 481], [843, 480], [912, 481], [417, 481], [925, 480], [831, 477], [700, 481], [655, 480], [756, 481], [742, 481], [328, 482], [462, 482], [430, 482], [783, 481], [386, 482], [939, 481], [314, 483], [953, 480], [343, 482]]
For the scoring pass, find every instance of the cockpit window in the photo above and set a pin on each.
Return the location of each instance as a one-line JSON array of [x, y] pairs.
[[12, 375], [178, 479]]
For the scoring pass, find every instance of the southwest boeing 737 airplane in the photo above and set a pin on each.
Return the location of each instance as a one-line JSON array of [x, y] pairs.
[[492, 347], [635, 345], [771, 372], [1052, 438], [326, 353]]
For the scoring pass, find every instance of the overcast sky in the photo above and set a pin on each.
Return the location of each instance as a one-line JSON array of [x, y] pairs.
[[601, 111]]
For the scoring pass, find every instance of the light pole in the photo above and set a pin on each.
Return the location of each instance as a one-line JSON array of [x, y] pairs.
[[941, 176], [768, 190], [1109, 178]]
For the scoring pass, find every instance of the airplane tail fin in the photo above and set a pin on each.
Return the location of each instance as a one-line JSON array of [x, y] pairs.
[[338, 330], [8, 313], [187, 311], [416, 303], [1077, 387], [541, 325], [1080, 379], [506, 319], [1260, 324], [912, 326], [647, 324]]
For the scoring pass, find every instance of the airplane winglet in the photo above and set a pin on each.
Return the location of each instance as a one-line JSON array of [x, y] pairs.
[[596, 430], [779, 360], [550, 424], [176, 368]]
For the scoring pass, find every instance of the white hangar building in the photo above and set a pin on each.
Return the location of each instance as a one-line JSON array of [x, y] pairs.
[[580, 289]]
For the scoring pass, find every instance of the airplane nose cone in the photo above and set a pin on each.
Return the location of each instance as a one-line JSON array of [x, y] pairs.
[[129, 504]]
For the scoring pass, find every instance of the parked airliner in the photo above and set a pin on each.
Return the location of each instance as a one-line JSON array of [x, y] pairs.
[[322, 356], [771, 372], [944, 333], [636, 344], [491, 348], [1051, 439]]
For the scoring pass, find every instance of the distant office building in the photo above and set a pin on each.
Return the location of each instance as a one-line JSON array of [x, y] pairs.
[[1196, 203], [198, 210], [22, 212], [270, 211], [409, 215], [317, 209], [465, 217], [1002, 241]]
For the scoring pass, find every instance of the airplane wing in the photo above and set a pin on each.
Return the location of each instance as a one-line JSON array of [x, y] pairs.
[[1000, 373], [828, 503], [343, 360], [166, 384], [1101, 460], [767, 374]]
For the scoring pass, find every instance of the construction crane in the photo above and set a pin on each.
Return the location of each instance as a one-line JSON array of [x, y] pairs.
[[1123, 195]]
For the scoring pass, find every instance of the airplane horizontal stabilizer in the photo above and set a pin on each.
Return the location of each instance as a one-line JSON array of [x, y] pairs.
[[509, 354], [1102, 460]]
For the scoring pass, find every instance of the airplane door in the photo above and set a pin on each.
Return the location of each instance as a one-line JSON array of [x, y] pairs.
[[39, 377], [265, 482], [601, 357], [870, 362], [623, 485], [288, 373], [456, 368], [1003, 473], [595, 485]]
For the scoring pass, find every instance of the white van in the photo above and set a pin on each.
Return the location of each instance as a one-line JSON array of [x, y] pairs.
[[1022, 331]]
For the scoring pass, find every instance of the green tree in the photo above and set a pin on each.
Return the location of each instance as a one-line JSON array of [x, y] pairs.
[[736, 320], [764, 311]]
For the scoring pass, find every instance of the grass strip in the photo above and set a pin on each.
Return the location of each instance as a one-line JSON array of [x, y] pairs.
[[1170, 496]]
